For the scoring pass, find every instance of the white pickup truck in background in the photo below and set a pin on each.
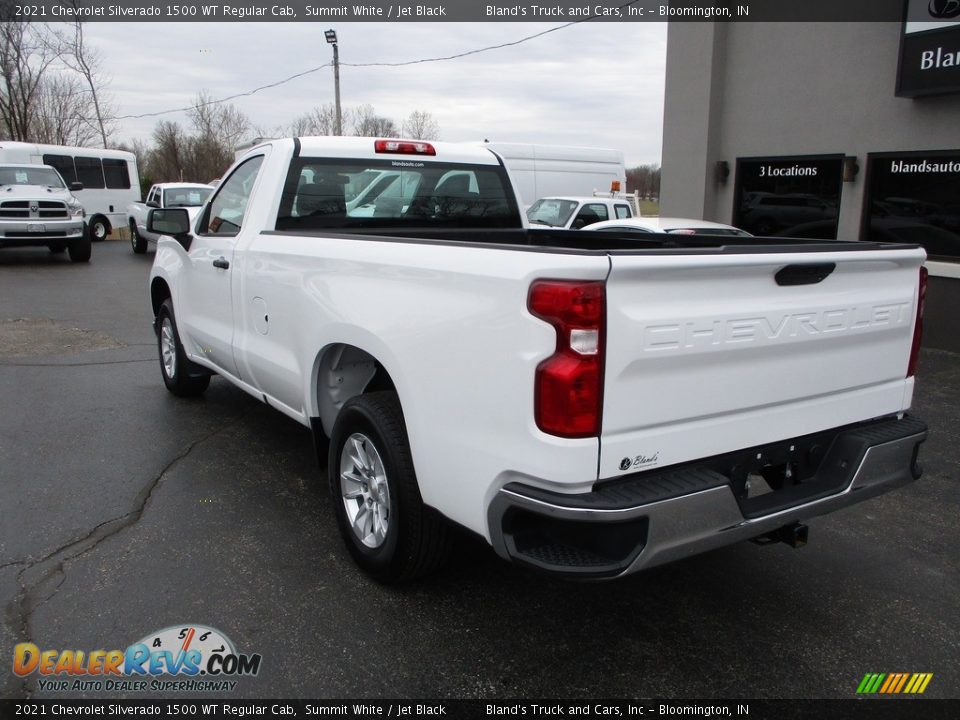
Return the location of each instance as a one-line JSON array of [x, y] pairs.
[[575, 213], [38, 209], [590, 404], [191, 196]]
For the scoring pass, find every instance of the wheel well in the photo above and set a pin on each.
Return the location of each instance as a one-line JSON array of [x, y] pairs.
[[106, 220], [159, 291], [343, 372]]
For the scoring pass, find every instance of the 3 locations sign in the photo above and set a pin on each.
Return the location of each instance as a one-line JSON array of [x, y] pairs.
[[930, 48]]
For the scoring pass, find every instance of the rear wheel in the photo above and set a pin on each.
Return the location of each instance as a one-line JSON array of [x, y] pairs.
[[138, 243], [182, 377], [388, 530], [99, 229]]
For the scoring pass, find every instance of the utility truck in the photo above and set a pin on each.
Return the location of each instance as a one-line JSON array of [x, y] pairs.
[[587, 403]]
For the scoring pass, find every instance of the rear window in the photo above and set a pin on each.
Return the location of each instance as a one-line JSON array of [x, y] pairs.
[[323, 194]]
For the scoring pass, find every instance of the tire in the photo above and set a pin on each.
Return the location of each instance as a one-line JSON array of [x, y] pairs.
[[182, 377], [138, 243], [388, 530], [80, 249], [99, 229]]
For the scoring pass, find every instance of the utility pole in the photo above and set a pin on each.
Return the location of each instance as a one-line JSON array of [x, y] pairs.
[[331, 36]]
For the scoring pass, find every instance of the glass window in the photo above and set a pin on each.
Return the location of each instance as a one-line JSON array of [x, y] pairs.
[[64, 166], [622, 211], [29, 175], [186, 196], [589, 214], [89, 172], [915, 198], [116, 174], [329, 194], [229, 206], [551, 211], [798, 196]]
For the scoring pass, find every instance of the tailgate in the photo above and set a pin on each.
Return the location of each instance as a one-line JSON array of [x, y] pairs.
[[707, 354]]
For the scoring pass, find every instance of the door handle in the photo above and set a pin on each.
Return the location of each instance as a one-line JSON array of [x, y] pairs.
[[221, 262]]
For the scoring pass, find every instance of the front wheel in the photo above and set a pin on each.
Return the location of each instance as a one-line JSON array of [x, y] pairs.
[[79, 249], [182, 377], [388, 530]]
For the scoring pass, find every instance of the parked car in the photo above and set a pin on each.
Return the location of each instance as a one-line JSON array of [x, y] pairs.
[[191, 196], [575, 213], [767, 213], [38, 209], [681, 226], [107, 179], [588, 407]]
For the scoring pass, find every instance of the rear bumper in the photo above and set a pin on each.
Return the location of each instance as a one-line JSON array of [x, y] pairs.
[[651, 518]]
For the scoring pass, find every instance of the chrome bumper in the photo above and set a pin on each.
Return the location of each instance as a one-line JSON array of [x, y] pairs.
[[602, 534]]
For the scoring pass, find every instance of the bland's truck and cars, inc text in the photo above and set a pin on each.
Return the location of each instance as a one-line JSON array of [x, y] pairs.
[[591, 404]]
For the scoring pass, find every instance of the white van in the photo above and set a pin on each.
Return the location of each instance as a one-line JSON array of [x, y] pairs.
[[109, 178], [554, 170]]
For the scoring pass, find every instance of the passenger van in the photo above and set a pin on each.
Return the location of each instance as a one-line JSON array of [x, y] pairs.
[[109, 178], [555, 170]]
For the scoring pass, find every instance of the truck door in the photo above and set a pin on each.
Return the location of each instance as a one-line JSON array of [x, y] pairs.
[[207, 323]]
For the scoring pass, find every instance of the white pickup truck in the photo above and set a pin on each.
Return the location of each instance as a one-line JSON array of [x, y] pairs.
[[589, 404], [191, 196], [575, 213]]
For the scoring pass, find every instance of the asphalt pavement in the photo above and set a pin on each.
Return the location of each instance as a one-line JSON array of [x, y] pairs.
[[125, 510]]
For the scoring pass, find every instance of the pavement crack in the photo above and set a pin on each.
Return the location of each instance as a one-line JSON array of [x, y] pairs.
[[39, 580]]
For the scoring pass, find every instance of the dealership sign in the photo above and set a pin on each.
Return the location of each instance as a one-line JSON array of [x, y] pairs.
[[930, 48]]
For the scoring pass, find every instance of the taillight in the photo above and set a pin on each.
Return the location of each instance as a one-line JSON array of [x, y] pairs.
[[568, 387], [918, 326], [404, 147]]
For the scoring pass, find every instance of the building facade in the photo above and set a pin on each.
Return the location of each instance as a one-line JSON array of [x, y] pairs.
[[821, 130]]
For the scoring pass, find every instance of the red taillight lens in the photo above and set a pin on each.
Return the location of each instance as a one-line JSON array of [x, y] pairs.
[[568, 388], [918, 326], [404, 147]]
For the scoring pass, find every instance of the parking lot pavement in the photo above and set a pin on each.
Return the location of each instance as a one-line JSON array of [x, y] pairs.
[[126, 510]]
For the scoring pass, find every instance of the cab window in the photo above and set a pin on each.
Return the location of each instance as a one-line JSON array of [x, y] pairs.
[[229, 207]]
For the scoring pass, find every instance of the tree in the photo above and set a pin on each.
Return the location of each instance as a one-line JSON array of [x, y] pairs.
[[86, 62], [60, 117], [321, 120], [25, 55], [644, 179], [420, 125], [366, 123]]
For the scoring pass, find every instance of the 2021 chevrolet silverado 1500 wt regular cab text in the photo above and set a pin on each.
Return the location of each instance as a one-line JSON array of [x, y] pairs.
[[590, 404]]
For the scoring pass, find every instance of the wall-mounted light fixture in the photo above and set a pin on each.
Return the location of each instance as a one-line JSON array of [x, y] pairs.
[[850, 168], [721, 171]]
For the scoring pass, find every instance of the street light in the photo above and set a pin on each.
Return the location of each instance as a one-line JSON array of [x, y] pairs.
[[331, 36]]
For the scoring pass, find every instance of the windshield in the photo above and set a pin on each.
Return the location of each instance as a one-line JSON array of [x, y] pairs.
[[551, 211], [185, 197], [39, 175]]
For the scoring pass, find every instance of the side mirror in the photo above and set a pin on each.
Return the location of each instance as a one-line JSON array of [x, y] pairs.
[[152, 203], [75, 186], [171, 221]]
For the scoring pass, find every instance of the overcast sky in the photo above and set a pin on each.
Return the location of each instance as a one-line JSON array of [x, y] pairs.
[[591, 84]]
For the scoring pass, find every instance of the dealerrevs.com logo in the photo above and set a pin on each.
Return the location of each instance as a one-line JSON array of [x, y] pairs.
[[178, 658]]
